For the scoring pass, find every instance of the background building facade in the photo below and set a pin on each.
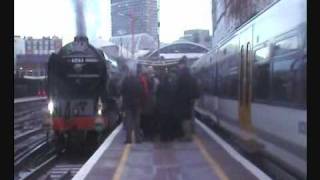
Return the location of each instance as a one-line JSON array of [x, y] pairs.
[[143, 11], [19, 48], [227, 15], [32, 64], [45, 45], [198, 36], [31, 55]]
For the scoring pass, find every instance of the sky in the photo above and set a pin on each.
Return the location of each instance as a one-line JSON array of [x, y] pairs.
[[39, 18]]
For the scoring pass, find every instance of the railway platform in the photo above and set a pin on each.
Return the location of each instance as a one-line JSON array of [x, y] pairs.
[[206, 157]]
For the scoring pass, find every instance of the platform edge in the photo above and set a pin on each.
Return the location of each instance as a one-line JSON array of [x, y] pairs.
[[85, 169], [234, 154]]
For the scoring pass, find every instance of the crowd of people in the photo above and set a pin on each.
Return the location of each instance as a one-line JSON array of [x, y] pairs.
[[158, 106]]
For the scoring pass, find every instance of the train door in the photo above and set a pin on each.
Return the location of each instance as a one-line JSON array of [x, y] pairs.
[[245, 80]]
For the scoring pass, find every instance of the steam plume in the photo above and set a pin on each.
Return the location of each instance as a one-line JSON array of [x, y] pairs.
[[80, 20]]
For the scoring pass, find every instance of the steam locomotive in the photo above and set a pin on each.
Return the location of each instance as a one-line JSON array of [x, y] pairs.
[[77, 92]]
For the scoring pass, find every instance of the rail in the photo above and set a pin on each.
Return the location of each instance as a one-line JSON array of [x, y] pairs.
[[29, 99]]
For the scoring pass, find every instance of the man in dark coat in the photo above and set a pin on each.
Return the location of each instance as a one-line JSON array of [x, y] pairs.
[[131, 92], [187, 91], [166, 123]]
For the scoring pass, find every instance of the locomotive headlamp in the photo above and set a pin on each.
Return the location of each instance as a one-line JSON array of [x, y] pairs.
[[99, 111], [99, 107], [50, 106]]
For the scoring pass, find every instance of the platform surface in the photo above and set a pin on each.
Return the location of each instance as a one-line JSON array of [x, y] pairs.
[[201, 159]]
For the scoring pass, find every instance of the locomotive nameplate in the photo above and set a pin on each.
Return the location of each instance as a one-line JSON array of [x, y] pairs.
[[91, 60], [82, 59], [77, 60]]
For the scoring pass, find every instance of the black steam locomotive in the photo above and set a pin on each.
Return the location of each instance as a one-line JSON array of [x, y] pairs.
[[77, 91]]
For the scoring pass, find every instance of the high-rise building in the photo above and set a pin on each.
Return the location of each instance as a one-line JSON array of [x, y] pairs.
[[139, 15], [198, 36]]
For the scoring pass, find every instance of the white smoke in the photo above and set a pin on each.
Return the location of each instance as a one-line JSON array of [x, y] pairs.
[[80, 20]]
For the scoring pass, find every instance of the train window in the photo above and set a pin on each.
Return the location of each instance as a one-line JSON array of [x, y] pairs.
[[206, 79], [282, 84], [220, 90], [289, 80], [286, 46], [212, 79], [232, 77], [261, 73], [228, 78], [261, 55], [300, 82], [288, 73], [225, 51]]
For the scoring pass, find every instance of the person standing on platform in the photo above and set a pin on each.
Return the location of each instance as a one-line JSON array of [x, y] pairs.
[[131, 92], [149, 111], [145, 98], [164, 113], [187, 91]]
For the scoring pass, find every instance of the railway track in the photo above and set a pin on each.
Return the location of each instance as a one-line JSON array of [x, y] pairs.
[[22, 153], [28, 115], [64, 168], [28, 122], [32, 173], [270, 167], [35, 156], [23, 136], [54, 166]]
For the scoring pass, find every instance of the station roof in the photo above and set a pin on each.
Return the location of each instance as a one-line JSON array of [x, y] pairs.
[[176, 44]]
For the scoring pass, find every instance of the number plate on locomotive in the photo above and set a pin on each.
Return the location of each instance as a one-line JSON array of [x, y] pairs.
[[77, 60]]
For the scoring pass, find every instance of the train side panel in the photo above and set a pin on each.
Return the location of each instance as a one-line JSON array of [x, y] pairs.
[[262, 64]]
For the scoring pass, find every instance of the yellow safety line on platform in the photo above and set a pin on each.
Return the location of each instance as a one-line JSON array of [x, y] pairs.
[[123, 160], [213, 163]]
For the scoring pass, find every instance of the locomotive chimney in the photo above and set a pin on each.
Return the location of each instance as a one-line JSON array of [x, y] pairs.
[[81, 39]]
